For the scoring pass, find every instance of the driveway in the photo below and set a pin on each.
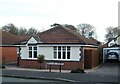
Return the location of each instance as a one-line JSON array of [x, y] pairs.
[[106, 73]]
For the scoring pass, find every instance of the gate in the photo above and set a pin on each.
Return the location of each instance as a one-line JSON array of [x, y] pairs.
[[87, 58]]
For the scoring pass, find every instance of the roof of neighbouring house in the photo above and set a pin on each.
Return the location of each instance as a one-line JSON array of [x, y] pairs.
[[7, 38], [109, 40]]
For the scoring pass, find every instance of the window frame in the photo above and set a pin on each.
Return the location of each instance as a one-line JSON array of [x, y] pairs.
[[33, 50], [61, 52]]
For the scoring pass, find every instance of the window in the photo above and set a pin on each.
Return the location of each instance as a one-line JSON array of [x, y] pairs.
[[61, 52], [68, 52], [32, 52], [35, 52], [64, 52], [55, 52]]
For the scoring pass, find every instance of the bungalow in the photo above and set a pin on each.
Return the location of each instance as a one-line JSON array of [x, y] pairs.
[[7, 47], [60, 46]]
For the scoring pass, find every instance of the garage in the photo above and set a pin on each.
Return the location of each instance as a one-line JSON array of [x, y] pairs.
[[91, 57], [112, 54]]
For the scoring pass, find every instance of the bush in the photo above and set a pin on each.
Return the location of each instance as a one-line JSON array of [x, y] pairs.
[[77, 71], [40, 58], [3, 67]]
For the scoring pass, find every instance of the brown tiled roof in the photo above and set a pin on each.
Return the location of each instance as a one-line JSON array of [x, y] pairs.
[[58, 35], [7, 38], [61, 34], [85, 40]]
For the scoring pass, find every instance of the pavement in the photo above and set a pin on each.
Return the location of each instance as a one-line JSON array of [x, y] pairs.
[[107, 73]]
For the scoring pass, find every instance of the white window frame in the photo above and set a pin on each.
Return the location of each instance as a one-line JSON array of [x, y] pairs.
[[66, 51], [32, 51]]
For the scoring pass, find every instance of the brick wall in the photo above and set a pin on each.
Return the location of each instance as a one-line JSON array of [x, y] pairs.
[[9, 54], [35, 64]]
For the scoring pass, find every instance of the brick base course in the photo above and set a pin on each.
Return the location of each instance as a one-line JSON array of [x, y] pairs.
[[35, 64]]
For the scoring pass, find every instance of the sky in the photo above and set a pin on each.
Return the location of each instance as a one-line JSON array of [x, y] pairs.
[[40, 14]]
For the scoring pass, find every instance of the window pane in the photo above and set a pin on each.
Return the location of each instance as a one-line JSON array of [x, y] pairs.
[[35, 48], [35, 54], [59, 48], [55, 48], [68, 55], [30, 54], [30, 48], [55, 55], [68, 48], [59, 55], [64, 48], [64, 53]]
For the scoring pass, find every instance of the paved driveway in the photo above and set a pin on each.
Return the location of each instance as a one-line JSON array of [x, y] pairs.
[[106, 73]]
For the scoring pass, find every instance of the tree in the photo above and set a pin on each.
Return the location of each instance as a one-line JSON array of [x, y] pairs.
[[40, 59], [87, 30], [10, 28], [22, 31], [112, 32], [32, 31]]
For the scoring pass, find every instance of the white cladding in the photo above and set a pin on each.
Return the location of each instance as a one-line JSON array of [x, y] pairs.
[[75, 53], [111, 43], [32, 40], [48, 51], [24, 52]]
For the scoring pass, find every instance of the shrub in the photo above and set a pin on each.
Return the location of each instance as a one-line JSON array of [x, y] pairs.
[[77, 71], [3, 67], [40, 58]]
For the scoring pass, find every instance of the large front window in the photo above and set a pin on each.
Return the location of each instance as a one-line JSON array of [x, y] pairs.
[[61, 52], [32, 52]]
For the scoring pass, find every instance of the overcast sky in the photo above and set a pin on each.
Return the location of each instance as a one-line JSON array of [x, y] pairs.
[[40, 14]]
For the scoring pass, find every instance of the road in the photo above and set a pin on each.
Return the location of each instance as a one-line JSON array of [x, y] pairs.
[[106, 73], [11, 79]]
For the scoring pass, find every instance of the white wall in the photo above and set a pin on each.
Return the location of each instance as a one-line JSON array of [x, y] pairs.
[[47, 51], [118, 40], [24, 53], [111, 43], [75, 51]]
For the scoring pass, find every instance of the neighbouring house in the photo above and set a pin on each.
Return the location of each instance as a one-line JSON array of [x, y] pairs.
[[60, 46], [113, 45], [7, 47]]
